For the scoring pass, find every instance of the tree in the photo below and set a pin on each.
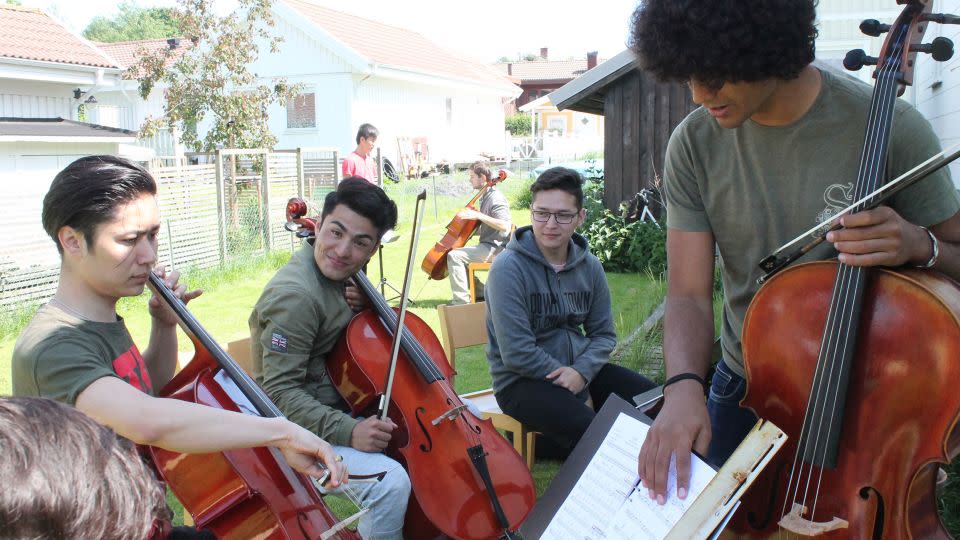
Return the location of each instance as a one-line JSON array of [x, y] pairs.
[[518, 125], [14, 3], [212, 78], [133, 23]]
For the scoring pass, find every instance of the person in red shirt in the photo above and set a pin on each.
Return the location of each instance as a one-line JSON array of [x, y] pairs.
[[360, 162]]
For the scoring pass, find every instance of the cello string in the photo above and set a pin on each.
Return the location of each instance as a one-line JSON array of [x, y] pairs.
[[887, 92], [854, 277], [845, 277]]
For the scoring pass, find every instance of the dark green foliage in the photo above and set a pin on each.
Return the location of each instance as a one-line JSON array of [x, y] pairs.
[[518, 125], [523, 198], [622, 247], [133, 23]]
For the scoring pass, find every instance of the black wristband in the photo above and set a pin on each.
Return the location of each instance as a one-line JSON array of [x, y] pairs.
[[684, 376]]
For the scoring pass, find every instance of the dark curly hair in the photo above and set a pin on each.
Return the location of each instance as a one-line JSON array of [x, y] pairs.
[[717, 41]]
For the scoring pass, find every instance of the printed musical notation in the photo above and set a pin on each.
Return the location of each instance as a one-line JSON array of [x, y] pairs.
[[607, 503]]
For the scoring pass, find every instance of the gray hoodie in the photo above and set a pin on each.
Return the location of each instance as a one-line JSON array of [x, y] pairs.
[[539, 320]]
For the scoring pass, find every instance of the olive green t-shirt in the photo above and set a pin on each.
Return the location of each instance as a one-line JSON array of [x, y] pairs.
[[293, 327], [757, 187], [58, 355]]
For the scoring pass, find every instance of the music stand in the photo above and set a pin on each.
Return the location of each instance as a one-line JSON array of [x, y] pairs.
[[388, 237]]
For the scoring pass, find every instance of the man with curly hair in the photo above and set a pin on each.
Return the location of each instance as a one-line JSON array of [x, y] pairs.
[[773, 150]]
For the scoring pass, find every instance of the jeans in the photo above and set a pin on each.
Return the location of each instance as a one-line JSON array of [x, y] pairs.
[[387, 498], [457, 260], [729, 422]]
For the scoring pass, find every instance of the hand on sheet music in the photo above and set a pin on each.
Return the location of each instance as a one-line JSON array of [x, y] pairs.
[[568, 378], [880, 237], [682, 424]]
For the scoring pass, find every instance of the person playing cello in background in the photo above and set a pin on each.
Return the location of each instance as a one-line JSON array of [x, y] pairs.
[[495, 225], [775, 142], [296, 323], [102, 213]]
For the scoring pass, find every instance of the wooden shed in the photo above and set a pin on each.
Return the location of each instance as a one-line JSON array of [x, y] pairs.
[[640, 114]]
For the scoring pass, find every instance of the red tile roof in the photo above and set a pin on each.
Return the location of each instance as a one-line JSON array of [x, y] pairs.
[[545, 70], [31, 34], [127, 53], [395, 47]]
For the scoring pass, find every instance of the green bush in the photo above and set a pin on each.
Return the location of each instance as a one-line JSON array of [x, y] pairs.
[[523, 197], [622, 247], [518, 125]]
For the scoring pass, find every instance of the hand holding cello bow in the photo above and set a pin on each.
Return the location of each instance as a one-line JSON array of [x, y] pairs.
[[468, 481]]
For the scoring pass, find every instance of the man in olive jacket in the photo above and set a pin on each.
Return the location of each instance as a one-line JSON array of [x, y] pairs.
[[298, 320]]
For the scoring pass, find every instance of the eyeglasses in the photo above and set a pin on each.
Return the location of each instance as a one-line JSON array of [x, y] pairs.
[[563, 218]]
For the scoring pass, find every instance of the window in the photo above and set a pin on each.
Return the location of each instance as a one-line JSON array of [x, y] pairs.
[[301, 111]]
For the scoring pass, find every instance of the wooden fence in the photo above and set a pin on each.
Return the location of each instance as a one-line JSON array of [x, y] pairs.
[[230, 206]]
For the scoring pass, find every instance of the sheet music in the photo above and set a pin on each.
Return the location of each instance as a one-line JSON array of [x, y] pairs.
[[603, 505]]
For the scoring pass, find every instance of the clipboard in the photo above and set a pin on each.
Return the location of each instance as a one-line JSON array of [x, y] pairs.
[[709, 512], [548, 505]]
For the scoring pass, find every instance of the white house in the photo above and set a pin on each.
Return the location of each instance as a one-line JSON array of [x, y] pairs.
[[936, 85], [47, 76], [355, 70]]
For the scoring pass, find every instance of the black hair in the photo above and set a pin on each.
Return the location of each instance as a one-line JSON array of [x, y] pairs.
[[367, 131], [87, 192], [560, 178], [717, 41], [481, 168], [66, 476], [366, 199]]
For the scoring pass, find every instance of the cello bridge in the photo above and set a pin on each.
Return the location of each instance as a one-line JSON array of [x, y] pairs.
[[795, 522], [452, 414]]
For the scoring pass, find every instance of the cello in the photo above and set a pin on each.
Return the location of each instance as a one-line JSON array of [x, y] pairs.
[[833, 354], [242, 493], [467, 481], [459, 230]]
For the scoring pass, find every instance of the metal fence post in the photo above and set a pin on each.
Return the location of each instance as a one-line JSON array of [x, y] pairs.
[[336, 168], [265, 189], [300, 180], [221, 206], [379, 168]]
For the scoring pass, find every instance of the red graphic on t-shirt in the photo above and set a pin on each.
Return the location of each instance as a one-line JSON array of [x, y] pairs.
[[129, 366]]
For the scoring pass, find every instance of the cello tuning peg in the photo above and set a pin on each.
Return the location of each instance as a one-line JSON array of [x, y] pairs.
[[873, 27], [856, 59], [941, 49], [941, 18]]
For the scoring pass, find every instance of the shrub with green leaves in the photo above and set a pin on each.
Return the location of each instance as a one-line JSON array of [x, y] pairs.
[[524, 197], [622, 247], [518, 125]]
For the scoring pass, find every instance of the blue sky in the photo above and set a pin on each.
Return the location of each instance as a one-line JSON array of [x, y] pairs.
[[484, 29]]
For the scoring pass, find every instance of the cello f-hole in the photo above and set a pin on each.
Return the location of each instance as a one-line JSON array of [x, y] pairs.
[[878, 517], [426, 432]]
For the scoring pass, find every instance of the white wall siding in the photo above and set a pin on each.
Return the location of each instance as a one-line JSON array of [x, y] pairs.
[[299, 56], [473, 125], [937, 84], [29, 99], [334, 96]]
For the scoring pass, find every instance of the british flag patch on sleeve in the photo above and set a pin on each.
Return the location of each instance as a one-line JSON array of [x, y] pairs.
[[278, 342]]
